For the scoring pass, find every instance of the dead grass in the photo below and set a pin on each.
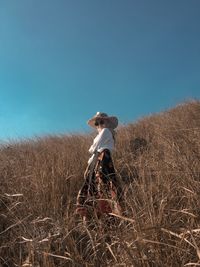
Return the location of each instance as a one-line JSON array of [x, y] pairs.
[[158, 162]]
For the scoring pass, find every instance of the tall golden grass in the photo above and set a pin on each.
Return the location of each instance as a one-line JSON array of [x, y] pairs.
[[158, 162]]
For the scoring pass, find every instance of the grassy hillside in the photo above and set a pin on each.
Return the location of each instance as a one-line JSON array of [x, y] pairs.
[[158, 162]]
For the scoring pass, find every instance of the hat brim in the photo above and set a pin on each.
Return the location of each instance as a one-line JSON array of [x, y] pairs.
[[112, 122]]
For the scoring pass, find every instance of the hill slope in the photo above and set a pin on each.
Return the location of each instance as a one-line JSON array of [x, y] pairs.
[[158, 162]]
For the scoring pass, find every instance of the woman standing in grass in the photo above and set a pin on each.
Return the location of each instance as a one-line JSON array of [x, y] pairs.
[[101, 189]]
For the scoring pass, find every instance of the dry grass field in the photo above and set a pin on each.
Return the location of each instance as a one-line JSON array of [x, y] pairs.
[[158, 161]]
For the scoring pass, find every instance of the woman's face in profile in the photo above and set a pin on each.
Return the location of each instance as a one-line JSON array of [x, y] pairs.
[[100, 124]]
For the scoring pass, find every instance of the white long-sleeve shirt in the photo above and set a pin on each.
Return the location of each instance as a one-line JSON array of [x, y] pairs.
[[104, 140]]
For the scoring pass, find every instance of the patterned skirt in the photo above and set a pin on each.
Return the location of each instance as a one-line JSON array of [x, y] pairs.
[[101, 192]]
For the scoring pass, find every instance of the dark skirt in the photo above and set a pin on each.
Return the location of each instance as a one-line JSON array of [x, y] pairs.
[[101, 190]]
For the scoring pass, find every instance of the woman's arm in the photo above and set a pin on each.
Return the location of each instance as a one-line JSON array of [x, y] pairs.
[[103, 140]]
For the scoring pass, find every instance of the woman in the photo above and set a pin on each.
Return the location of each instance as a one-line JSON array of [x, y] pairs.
[[101, 189]]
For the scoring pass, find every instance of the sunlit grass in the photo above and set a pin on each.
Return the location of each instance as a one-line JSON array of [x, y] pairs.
[[158, 162]]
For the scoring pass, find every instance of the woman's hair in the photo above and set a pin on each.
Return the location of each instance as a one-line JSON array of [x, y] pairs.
[[111, 129], [113, 134]]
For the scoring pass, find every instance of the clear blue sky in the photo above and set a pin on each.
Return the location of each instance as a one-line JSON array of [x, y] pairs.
[[61, 61]]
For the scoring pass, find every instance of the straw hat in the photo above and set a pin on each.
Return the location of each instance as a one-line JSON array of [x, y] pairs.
[[111, 121]]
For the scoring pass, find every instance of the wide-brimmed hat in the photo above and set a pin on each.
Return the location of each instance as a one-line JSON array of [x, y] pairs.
[[111, 121]]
